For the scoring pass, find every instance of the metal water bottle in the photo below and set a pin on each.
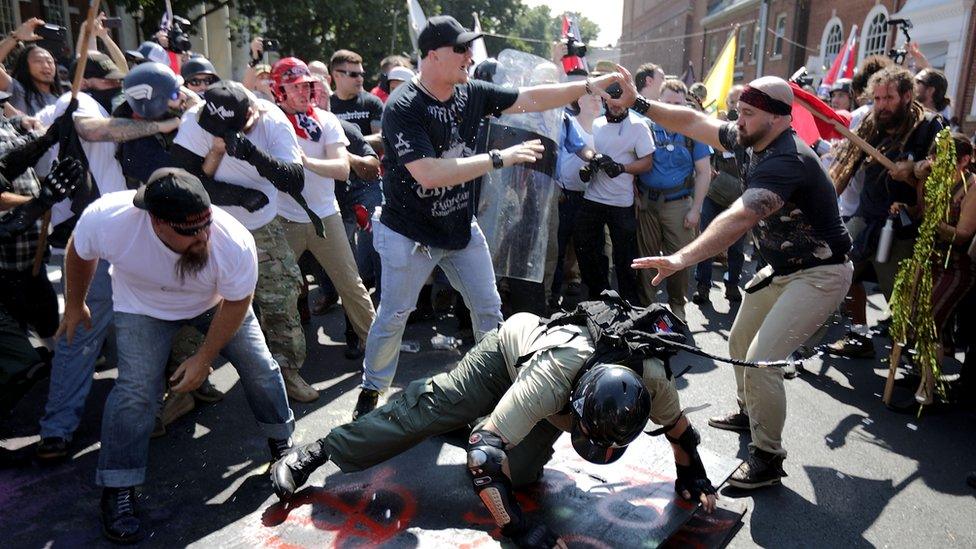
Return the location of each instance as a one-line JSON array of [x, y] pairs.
[[884, 243]]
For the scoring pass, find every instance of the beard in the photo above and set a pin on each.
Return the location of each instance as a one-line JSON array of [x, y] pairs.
[[749, 139], [889, 120], [192, 261]]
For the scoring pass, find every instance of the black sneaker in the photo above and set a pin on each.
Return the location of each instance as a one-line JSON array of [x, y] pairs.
[[735, 421], [367, 401], [852, 346], [119, 521], [761, 469], [701, 294], [289, 473], [279, 447], [732, 293], [51, 450]]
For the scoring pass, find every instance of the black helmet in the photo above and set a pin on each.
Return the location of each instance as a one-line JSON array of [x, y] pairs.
[[610, 406], [486, 70], [149, 87], [197, 65], [841, 85]]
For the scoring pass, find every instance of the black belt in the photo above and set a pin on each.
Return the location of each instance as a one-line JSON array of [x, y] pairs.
[[655, 195]]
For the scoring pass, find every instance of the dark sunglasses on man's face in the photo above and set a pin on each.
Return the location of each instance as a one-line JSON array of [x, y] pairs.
[[191, 231], [203, 81], [462, 48], [352, 74]]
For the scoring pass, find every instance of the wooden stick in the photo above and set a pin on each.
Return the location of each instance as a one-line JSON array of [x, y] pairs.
[[896, 349], [75, 86], [846, 132]]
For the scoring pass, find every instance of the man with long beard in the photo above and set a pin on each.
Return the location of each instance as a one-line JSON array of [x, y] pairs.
[[175, 261], [791, 204]]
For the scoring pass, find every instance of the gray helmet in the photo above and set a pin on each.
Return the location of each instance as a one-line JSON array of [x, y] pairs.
[[842, 85], [197, 65], [149, 87]]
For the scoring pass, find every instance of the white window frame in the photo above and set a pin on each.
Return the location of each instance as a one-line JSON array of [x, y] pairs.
[[834, 22], [862, 50], [755, 44], [741, 46], [779, 42]]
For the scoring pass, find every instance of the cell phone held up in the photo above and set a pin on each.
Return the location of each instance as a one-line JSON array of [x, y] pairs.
[[52, 33], [112, 22], [269, 45]]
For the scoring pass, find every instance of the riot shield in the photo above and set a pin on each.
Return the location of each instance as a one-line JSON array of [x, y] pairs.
[[514, 206]]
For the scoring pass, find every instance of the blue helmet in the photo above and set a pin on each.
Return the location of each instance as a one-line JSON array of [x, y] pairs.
[[149, 87]]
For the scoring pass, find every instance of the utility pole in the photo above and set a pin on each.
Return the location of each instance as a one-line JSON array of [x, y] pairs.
[[763, 25]]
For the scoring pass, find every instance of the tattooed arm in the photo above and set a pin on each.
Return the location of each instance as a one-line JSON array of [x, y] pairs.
[[122, 129], [742, 215]]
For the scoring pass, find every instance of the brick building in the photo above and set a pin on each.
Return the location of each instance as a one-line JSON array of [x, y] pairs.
[[659, 31]]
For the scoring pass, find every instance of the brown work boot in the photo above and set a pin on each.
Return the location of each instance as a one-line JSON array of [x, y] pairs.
[[853, 345], [297, 388], [734, 421], [176, 406], [761, 469]]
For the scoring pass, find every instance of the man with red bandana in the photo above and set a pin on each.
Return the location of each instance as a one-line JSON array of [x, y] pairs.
[[790, 203]]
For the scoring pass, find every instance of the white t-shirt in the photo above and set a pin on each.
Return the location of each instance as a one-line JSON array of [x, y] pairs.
[[105, 169], [319, 191], [624, 142], [144, 277], [272, 133]]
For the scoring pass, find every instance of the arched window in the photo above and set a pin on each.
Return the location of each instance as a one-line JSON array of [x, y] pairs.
[[874, 34], [832, 41]]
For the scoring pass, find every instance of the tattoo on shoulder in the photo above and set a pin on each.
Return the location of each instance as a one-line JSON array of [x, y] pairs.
[[761, 201]]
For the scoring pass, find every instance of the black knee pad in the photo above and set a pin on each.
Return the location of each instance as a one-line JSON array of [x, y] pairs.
[[486, 465]]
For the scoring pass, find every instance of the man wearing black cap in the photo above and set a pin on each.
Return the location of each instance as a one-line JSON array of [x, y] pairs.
[[430, 126], [522, 385], [791, 203], [175, 261], [246, 151]]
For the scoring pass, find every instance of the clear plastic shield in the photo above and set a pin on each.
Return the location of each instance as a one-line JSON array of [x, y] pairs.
[[514, 205]]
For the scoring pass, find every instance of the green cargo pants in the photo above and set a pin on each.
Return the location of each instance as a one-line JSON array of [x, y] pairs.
[[438, 405]]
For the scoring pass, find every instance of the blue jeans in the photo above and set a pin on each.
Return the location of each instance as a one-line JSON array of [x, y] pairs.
[[144, 346], [74, 364], [703, 272], [406, 266]]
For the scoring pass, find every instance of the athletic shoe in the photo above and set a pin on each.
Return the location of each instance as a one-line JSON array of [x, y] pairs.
[[119, 521], [289, 473], [297, 388], [701, 294], [852, 346], [735, 421], [761, 469], [366, 403], [207, 392], [51, 450]]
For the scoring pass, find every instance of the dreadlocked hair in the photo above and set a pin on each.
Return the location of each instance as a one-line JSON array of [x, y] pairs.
[[850, 156], [21, 73]]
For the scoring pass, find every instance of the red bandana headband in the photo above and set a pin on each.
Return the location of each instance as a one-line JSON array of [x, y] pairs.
[[764, 102]]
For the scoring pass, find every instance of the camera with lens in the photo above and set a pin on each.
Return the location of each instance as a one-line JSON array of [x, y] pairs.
[[179, 40], [802, 78], [54, 39], [574, 48], [905, 25], [267, 45]]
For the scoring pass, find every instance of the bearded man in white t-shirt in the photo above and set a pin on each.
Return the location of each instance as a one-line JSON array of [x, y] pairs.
[[323, 144], [175, 261]]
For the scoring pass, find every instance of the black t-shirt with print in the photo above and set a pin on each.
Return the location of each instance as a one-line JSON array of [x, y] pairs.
[[361, 110], [416, 126], [807, 231]]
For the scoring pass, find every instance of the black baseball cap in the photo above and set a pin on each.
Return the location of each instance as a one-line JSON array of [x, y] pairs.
[[225, 110], [444, 30], [175, 196], [99, 65]]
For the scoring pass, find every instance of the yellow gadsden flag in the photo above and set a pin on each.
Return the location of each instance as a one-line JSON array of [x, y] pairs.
[[719, 79]]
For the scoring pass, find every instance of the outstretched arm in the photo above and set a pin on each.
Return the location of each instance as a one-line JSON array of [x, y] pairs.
[[551, 96]]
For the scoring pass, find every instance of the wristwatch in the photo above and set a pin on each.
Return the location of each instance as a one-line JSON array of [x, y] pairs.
[[496, 159]]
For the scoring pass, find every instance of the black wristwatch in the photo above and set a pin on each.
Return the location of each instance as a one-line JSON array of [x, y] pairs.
[[496, 159]]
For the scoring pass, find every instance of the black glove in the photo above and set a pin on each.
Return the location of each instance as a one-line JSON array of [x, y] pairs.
[[694, 480], [535, 535], [610, 167], [591, 167], [239, 146], [228, 194], [61, 182]]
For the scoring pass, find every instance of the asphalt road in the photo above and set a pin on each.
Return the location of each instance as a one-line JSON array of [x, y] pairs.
[[859, 474]]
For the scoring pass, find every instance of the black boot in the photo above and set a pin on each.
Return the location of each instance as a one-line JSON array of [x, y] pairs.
[[279, 447], [761, 469], [119, 521], [366, 402], [289, 473]]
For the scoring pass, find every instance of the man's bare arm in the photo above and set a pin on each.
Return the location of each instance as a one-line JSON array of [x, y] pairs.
[[121, 129]]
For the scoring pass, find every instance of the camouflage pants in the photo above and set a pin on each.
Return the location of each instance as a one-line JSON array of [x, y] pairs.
[[275, 299]]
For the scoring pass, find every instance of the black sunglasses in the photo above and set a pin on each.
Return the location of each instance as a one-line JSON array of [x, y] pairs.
[[462, 48], [205, 81], [191, 231], [352, 74]]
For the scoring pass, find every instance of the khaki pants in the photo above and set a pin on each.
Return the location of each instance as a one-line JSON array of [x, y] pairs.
[[772, 323], [335, 255], [661, 230]]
